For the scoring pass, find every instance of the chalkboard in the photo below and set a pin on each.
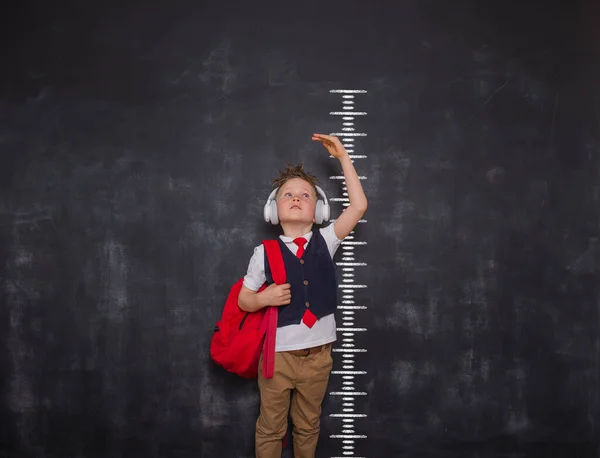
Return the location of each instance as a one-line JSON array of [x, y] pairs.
[[139, 141]]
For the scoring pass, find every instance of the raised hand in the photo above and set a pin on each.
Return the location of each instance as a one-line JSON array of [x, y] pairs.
[[332, 143]]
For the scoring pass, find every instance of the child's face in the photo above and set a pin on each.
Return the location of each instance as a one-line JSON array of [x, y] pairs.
[[296, 201]]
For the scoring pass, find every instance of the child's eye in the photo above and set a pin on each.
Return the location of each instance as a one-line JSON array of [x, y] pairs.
[[305, 195], [287, 194]]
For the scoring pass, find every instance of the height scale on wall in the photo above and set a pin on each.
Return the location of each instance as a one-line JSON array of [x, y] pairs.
[[350, 376]]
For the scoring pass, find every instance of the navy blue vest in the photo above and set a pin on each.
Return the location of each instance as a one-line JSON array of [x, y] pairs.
[[312, 280]]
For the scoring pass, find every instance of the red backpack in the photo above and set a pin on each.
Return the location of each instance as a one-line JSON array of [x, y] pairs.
[[239, 337]]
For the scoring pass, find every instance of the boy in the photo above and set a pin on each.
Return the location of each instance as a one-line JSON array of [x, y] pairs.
[[306, 325]]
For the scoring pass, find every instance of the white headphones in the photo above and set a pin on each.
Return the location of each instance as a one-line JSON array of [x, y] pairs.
[[321, 209]]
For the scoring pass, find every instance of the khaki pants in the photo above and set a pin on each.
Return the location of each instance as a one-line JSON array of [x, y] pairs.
[[304, 378]]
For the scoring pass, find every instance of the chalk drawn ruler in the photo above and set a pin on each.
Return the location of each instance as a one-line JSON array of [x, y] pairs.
[[349, 375]]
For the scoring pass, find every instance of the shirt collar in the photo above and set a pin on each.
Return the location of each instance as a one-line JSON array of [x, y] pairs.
[[286, 239]]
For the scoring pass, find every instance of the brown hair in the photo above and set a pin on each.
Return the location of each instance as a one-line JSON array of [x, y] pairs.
[[295, 171]]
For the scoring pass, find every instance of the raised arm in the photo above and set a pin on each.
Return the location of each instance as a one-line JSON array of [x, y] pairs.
[[348, 219]]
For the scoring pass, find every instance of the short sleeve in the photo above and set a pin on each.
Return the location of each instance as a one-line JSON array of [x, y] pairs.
[[333, 243], [255, 275]]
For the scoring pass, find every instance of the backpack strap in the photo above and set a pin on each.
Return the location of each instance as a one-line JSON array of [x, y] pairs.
[[269, 324], [275, 258]]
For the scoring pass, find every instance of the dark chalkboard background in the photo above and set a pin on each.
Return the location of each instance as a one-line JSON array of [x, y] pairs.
[[138, 141]]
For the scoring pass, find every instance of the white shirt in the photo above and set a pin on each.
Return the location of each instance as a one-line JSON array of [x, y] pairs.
[[296, 336]]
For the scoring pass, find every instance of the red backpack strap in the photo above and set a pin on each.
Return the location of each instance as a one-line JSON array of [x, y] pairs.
[[277, 267], [275, 258]]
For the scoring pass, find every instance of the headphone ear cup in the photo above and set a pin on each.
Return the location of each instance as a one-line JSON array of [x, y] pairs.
[[273, 213], [267, 212], [326, 211], [319, 212], [270, 209]]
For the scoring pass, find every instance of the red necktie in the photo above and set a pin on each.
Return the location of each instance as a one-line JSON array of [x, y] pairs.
[[300, 241], [309, 319]]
